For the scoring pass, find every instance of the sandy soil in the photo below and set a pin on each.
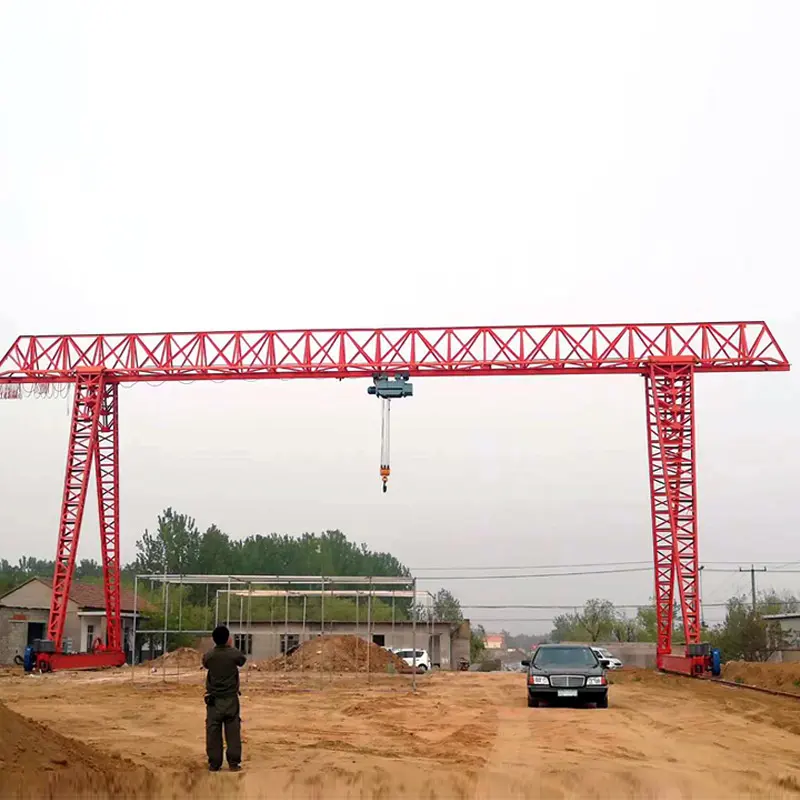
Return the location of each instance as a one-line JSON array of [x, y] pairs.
[[464, 735], [35, 761], [783, 677]]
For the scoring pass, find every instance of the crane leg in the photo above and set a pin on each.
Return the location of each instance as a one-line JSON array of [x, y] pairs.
[[93, 441], [106, 456], [670, 426], [82, 446]]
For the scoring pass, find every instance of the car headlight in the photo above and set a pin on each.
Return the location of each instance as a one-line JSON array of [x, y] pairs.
[[540, 680], [597, 681]]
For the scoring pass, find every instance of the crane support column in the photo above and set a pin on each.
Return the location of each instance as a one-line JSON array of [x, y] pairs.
[[669, 385], [107, 479], [82, 444], [93, 441]]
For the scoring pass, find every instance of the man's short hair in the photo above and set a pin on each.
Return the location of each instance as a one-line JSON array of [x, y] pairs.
[[221, 635]]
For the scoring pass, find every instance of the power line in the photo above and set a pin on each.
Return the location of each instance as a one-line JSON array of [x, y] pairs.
[[531, 575], [536, 566], [763, 569], [776, 565], [581, 604]]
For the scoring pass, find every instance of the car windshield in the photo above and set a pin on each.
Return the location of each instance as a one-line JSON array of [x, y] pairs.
[[564, 657], [408, 653]]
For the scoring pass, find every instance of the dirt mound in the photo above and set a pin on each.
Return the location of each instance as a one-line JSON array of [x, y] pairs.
[[781, 677], [182, 657], [338, 654], [38, 762]]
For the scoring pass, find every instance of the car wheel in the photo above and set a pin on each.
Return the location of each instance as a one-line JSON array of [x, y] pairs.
[[604, 702], [421, 668], [532, 702]]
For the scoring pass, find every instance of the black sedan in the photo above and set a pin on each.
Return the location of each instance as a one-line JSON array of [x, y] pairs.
[[566, 673]]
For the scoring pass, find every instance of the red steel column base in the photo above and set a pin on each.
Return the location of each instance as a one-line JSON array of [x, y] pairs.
[[51, 662], [694, 666]]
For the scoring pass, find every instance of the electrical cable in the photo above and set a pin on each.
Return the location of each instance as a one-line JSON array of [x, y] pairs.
[[591, 564], [536, 566], [532, 575]]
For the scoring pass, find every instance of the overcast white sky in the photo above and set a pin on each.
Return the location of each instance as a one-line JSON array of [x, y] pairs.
[[197, 166]]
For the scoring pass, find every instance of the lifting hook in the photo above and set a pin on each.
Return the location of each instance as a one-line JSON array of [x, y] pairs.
[[386, 389]]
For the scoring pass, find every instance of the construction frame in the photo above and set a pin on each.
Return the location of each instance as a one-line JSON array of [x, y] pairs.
[[246, 588]]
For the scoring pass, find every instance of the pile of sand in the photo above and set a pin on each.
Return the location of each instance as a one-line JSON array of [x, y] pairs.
[[186, 657], [38, 762], [781, 677], [337, 654]]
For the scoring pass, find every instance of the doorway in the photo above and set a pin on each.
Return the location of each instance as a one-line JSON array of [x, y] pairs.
[[35, 631]]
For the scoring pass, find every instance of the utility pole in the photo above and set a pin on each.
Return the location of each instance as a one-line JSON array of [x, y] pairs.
[[752, 572]]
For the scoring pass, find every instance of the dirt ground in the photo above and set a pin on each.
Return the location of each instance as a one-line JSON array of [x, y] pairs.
[[782, 677], [463, 735]]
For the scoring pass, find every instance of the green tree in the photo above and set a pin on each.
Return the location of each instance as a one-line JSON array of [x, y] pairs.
[[567, 627], [625, 628], [477, 643], [745, 634], [597, 619], [174, 548], [595, 622], [444, 607], [647, 623], [215, 554]]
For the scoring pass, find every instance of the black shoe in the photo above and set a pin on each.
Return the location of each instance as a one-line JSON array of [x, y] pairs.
[[235, 767], [213, 769]]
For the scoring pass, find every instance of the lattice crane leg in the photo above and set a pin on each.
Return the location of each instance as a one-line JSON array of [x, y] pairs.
[[673, 489], [82, 445], [107, 479], [93, 441]]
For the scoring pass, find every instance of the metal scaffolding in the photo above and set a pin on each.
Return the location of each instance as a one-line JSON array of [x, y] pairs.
[[231, 587]]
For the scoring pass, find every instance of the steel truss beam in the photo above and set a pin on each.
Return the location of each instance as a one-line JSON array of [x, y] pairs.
[[669, 389], [359, 353]]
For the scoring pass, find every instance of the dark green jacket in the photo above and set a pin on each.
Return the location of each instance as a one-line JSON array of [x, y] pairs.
[[223, 665]]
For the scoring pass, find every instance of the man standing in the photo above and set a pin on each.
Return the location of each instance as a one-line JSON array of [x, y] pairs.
[[222, 701]]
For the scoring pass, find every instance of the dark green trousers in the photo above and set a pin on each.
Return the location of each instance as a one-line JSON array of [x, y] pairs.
[[223, 712]]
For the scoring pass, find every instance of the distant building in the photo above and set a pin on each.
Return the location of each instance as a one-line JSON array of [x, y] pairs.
[[24, 612], [495, 641], [790, 636]]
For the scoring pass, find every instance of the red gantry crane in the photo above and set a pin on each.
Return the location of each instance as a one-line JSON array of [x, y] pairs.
[[667, 356]]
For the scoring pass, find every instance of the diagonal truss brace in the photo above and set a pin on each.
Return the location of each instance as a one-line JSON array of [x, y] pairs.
[[673, 489]]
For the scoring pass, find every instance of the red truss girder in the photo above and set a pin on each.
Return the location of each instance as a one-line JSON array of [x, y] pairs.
[[669, 392], [247, 355]]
